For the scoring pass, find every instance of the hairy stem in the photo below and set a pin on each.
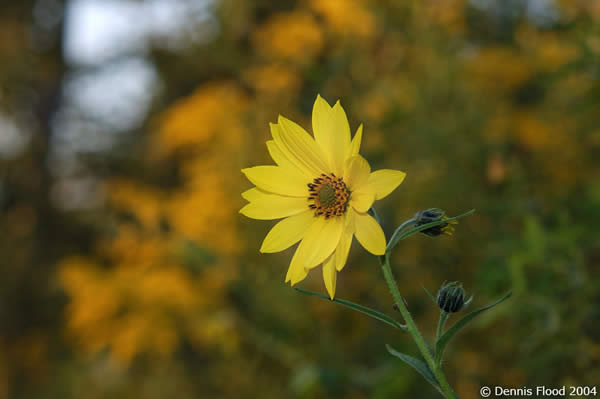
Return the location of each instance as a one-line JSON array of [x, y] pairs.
[[441, 324], [413, 329]]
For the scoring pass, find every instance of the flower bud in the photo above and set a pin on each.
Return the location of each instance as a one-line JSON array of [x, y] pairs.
[[434, 215], [451, 297]]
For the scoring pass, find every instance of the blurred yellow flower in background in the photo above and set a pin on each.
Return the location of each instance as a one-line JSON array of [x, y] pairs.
[[273, 79], [136, 292], [193, 121], [342, 16], [295, 35], [498, 69], [323, 190]]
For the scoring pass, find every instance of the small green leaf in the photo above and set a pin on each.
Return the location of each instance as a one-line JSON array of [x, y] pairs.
[[468, 301], [359, 308], [429, 295], [444, 339], [399, 235], [416, 364]]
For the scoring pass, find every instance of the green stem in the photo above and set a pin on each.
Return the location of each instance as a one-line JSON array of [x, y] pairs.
[[398, 231], [413, 329], [441, 324]]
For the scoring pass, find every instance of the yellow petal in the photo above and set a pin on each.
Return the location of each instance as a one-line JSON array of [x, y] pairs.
[[362, 200], [287, 232], [355, 144], [343, 248], [299, 147], [356, 172], [278, 180], [296, 274], [330, 275], [369, 233], [332, 133], [251, 194], [267, 206], [384, 181], [282, 156], [319, 241], [278, 156], [321, 119]]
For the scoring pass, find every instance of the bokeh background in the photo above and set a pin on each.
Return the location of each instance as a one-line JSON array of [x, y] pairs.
[[127, 271]]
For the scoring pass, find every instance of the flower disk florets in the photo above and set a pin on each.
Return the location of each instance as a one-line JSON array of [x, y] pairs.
[[329, 195]]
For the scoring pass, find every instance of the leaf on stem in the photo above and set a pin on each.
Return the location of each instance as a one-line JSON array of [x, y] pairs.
[[359, 308], [429, 295], [416, 364], [451, 332]]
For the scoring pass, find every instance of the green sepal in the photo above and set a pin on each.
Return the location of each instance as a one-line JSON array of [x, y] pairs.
[[400, 235], [416, 364], [359, 308], [429, 295], [468, 301], [451, 332]]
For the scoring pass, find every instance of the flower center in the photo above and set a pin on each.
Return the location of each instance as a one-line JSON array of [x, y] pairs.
[[329, 195]]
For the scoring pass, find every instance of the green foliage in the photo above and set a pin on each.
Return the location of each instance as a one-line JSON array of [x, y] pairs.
[[442, 341], [416, 364], [359, 308]]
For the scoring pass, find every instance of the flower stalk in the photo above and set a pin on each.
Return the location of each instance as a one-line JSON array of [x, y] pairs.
[[413, 330], [441, 324], [451, 298]]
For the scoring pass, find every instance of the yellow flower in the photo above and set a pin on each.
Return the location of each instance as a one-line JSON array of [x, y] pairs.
[[323, 189]]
